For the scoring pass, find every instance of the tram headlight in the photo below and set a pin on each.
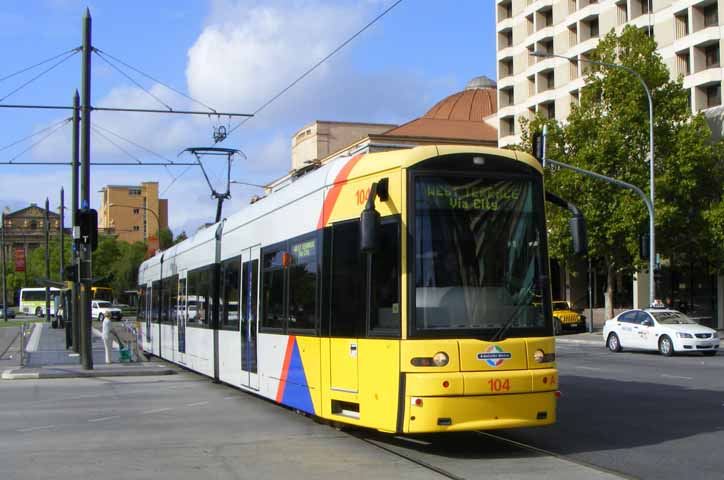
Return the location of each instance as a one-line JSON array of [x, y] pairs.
[[440, 359]]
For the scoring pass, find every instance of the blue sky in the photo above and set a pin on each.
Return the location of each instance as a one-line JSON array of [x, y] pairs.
[[232, 55]]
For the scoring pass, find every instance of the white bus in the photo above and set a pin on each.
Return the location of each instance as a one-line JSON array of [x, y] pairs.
[[32, 300]]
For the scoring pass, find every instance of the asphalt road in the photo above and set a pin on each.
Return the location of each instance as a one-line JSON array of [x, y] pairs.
[[638, 414]]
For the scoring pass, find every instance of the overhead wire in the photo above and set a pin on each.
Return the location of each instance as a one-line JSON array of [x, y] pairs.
[[119, 136], [311, 69], [35, 144], [69, 55], [102, 53], [16, 142], [137, 84], [6, 77], [129, 154]]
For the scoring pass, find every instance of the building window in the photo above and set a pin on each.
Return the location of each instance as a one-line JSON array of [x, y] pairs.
[[531, 86], [547, 110], [507, 126], [575, 97], [593, 28], [505, 11], [643, 6], [621, 12], [136, 211], [506, 96], [711, 15], [546, 81], [711, 53], [681, 21], [134, 191], [33, 224], [505, 39], [573, 69], [544, 18], [683, 63], [571, 6], [529, 23], [136, 228], [572, 35], [506, 68], [713, 96], [546, 46]]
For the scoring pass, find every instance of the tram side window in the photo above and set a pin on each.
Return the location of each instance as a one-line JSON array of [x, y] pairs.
[[192, 303], [386, 281], [230, 283], [347, 316], [172, 299], [165, 290], [203, 289], [155, 300], [303, 285], [181, 300], [141, 313], [274, 314]]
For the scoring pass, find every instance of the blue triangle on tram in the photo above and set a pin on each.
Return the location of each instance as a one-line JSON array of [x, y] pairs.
[[296, 390]]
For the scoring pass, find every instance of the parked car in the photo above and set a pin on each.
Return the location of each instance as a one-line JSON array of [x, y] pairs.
[[565, 318], [101, 309], [6, 312], [668, 331]]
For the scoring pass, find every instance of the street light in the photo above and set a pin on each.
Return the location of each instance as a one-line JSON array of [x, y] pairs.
[[652, 242], [158, 222]]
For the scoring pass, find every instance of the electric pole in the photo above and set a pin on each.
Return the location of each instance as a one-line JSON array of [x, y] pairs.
[[86, 269], [47, 259], [75, 165]]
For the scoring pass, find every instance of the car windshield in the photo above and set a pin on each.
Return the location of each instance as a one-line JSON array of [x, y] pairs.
[[104, 305], [672, 318], [560, 306]]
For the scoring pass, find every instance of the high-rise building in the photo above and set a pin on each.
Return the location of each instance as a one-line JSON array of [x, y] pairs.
[[687, 32], [133, 212]]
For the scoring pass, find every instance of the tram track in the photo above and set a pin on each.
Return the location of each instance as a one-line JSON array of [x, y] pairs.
[[4, 351], [460, 458]]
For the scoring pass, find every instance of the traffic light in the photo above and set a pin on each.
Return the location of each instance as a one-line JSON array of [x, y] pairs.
[[70, 273], [88, 223], [658, 275]]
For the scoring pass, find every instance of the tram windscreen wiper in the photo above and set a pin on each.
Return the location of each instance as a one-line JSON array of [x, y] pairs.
[[500, 333]]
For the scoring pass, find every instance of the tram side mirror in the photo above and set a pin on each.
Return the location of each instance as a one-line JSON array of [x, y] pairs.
[[577, 225], [370, 218]]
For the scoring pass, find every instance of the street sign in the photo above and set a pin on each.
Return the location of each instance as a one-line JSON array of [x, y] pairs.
[[19, 257]]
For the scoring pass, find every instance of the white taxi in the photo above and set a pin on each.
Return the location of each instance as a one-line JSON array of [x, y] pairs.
[[668, 331]]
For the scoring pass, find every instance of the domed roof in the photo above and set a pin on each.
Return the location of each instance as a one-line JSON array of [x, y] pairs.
[[460, 117], [472, 104], [481, 82]]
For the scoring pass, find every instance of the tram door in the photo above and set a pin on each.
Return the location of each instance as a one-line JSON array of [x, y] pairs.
[[249, 316]]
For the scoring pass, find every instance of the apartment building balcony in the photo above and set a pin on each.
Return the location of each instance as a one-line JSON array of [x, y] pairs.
[[506, 52], [705, 77], [505, 24]]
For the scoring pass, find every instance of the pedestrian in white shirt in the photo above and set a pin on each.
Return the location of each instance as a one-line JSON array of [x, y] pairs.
[[107, 338]]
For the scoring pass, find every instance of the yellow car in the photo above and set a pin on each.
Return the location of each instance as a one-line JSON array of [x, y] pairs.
[[565, 318]]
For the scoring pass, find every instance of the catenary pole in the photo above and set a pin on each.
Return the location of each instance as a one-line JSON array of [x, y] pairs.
[[47, 259], [2, 258], [86, 270], [75, 317]]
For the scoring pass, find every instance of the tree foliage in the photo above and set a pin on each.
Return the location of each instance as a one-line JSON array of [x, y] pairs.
[[608, 133]]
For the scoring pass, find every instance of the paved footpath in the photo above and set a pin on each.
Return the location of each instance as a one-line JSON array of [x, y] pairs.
[[47, 357]]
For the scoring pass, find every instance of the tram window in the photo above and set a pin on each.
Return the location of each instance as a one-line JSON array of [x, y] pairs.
[[274, 316], [302, 312], [155, 300], [385, 313], [141, 313], [181, 301], [172, 299], [230, 283], [203, 287], [347, 315], [192, 304]]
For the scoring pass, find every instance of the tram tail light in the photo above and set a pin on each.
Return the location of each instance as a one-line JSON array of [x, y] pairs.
[[440, 359]]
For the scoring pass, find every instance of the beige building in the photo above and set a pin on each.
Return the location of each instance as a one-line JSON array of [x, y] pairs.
[[133, 212], [687, 33]]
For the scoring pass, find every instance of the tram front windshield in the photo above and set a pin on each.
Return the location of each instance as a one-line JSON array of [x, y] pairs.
[[478, 257]]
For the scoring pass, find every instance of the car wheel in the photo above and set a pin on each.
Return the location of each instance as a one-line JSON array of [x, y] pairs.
[[38, 312], [556, 326], [613, 343], [666, 346], [710, 353], [100, 317]]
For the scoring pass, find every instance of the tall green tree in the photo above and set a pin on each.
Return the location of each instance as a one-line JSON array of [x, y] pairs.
[[608, 133]]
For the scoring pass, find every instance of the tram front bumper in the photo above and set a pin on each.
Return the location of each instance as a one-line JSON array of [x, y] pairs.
[[479, 412]]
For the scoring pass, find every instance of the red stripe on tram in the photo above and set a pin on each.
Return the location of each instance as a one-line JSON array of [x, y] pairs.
[[333, 194], [285, 368]]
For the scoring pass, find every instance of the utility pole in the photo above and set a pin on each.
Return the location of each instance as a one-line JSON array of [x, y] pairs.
[[47, 259], [75, 165], [61, 305], [86, 269], [2, 255]]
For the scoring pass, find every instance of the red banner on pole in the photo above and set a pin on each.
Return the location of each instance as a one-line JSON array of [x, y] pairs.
[[19, 256]]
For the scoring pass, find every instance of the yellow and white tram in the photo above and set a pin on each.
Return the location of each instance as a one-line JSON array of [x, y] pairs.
[[429, 312]]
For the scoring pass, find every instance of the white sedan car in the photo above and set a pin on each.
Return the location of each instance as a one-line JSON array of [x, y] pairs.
[[668, 331], [101, 309]]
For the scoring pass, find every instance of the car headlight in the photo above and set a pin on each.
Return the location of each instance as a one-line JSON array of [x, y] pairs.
[[715, 335], [684, 335]]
